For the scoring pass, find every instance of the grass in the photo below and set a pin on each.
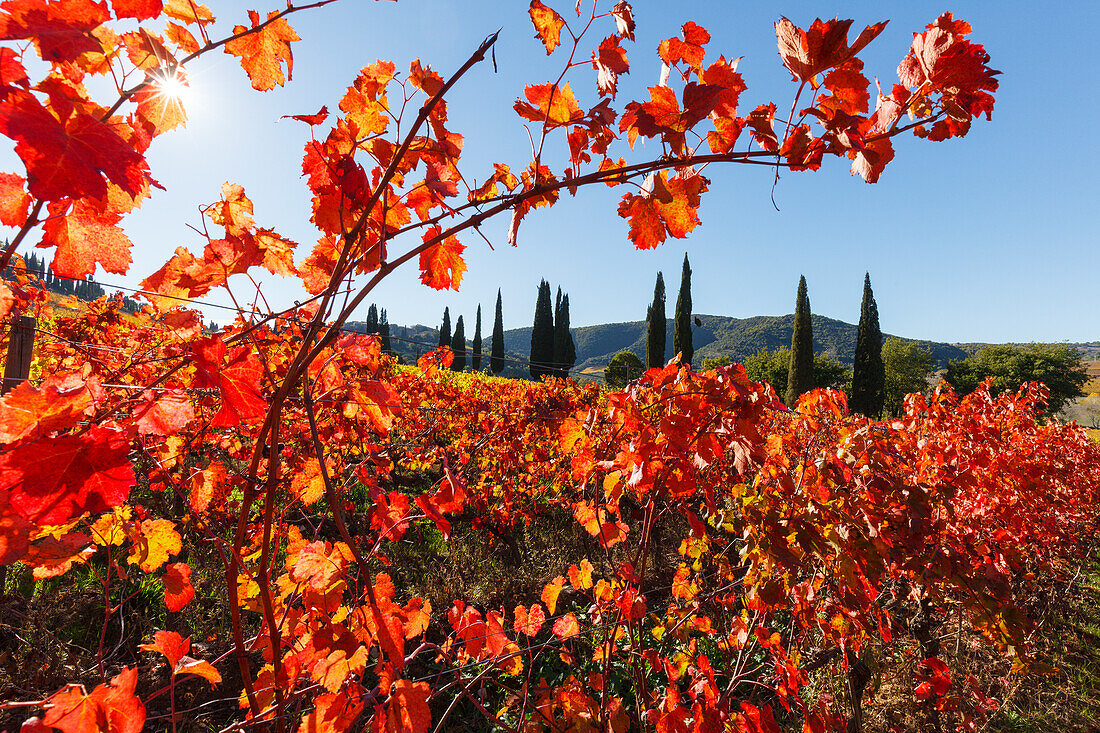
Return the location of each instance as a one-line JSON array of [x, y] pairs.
[[1068, 699]]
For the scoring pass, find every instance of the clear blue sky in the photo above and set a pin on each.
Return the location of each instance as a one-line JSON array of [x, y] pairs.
[[988, 238]]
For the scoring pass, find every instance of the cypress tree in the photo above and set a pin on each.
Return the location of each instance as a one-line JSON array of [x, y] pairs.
[[868, 374], [570, 345], [559, 346], [496, 354], [458, 345], [542, 335], [384, 331], [655, 326], [800, 374], [681, 336], [445, 329], [475, 361], [372, 319], [565, 351]]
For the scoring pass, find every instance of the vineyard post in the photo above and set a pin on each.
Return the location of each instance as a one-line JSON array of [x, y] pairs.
[[17, 367]]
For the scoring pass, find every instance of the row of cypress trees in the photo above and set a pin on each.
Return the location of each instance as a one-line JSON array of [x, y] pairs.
[[379, 324], [553, 352], [656, 323], [457, 341], [868, 373], [86, 289]]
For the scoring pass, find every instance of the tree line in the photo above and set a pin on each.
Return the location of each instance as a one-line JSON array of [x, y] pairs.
[[553, 350], [884, 370]]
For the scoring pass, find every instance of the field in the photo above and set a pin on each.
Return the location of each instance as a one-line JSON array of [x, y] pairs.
[[686, 548]]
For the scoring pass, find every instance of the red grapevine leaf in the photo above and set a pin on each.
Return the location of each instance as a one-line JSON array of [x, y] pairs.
[[529, 622], [12, 73], [264, 52], [407, 710], [58, 404], [441, 265], [331, 713], [646, 228], [609, 61], [190, 665], [849, 88], [15, 202], [315, 119], [86, 236], [14, 536], [155, 541], [689, 50], [160, 111], [548, 25], [320, 564], [802, 150], [182, 37], [114, 708], [757, 720], [948, 23], [173, 646], [761, 121], [550, 593], [581, 577], [624, 19], [551, 104], [139, 9], [807, 53], [238, 379], [70, 160], [60, 29], [189, 11], [51, 557], [178, 590], [53, 480], [567, 627], [872, 159]]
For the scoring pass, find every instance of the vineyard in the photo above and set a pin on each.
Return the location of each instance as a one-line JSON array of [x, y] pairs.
[[334, 541]]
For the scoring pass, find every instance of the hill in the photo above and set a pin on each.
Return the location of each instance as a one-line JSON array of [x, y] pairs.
[[737, 338]]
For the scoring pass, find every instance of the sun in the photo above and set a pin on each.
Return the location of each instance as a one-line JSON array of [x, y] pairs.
[[172, 84]]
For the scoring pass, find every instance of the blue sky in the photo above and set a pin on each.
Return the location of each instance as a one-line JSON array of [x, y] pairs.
[[988, 238]]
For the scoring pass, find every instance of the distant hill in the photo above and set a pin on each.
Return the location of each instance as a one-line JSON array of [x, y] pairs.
[[737, 338]]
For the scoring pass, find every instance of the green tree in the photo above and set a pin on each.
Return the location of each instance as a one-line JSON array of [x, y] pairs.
[[496, 353], [868, 374], [713, 362], [384, 332], [655, 326], [681, 335], [458, 346], [372, 319], [475, 347], [565, 350], [907, 368], [774, 365], [800, 371], [542, 335], [1057, 366], [623, 368], [445, 329]]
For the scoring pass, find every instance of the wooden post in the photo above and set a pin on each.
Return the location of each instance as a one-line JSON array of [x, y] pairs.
[[17, 368]]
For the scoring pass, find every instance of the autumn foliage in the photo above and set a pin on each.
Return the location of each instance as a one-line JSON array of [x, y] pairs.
[[296, 461]]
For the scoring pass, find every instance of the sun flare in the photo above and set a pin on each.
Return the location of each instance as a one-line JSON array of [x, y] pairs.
[[173, 86]]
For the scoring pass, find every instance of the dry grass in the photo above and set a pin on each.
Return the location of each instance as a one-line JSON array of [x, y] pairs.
[[1068, 699]]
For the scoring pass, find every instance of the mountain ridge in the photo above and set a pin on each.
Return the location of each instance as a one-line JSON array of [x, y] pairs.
[[737, 338]]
